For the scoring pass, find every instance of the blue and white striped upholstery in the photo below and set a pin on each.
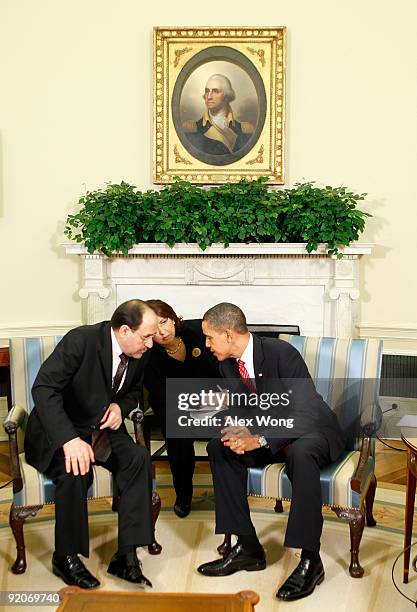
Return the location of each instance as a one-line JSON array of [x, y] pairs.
[[26, 357], [38, 489], [346, 373]]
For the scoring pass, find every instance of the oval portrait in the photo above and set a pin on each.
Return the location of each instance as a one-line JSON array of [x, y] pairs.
[[219, 105]]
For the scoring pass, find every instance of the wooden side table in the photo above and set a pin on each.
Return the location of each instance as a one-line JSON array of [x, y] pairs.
[[75, 600], [409, 437]]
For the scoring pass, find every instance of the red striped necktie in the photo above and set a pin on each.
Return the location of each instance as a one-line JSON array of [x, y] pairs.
[[244, 375]]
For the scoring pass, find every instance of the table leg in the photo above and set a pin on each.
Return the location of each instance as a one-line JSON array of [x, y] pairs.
[[409, 512]]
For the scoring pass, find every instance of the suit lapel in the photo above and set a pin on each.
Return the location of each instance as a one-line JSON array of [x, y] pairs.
[[131, 371], [259, 363], [229, 367], [106, 357]]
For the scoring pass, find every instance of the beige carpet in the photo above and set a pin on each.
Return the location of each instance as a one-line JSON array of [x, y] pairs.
[[191, 541]]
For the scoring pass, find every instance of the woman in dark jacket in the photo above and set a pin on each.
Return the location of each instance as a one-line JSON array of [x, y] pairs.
[[179, 351]]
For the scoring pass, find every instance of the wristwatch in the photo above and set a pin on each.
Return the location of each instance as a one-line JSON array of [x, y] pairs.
[[263, 442]]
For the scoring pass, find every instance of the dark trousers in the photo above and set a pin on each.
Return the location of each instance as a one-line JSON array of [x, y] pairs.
[[303, 461], [181, 458], [131, 467]]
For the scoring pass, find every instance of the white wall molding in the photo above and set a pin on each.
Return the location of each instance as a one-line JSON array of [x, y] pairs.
[[399, 338], [36, 328]]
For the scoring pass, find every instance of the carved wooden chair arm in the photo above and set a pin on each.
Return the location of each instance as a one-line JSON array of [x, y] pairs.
[[136, 416], [370, 422], [359, 478], [16, 418]]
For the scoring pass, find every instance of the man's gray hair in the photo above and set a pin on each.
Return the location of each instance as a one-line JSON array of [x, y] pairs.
[[226, 316], [228, 90]]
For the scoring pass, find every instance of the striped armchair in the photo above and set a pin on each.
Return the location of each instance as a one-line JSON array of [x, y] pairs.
[[32, 489], [346, 373]]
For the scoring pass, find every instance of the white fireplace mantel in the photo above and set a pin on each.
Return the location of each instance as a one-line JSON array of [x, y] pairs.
[[273, 283]]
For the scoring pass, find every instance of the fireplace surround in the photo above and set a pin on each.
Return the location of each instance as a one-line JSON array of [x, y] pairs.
[[273, 283]]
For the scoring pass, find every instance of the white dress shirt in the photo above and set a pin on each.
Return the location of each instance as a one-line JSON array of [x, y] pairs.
[[247, 358]]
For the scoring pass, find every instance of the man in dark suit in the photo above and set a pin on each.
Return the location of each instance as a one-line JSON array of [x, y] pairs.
[[317, 441], [82, 394]]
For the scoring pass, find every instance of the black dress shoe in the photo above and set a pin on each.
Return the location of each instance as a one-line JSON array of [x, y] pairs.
[[128, 569], [302, 581], [182, 509], [237, 559], [73, 571]]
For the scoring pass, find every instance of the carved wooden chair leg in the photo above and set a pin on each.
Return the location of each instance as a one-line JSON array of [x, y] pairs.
[[369, 503], [356, 524], [155, 548], [356, 518], [278, 506], [17, 517], [226, 545]]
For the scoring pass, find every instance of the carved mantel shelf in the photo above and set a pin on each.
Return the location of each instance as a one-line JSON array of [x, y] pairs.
[[274, 283], [259, 249]]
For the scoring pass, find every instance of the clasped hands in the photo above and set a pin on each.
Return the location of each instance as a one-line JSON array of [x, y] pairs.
[[78, 454], [239, 439]]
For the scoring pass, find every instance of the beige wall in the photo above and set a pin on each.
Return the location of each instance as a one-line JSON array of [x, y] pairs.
[[75, 111]]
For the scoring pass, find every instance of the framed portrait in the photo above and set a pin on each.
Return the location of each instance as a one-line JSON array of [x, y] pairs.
[[219, 104]]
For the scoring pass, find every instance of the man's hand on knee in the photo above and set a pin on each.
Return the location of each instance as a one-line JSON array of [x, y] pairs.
[[78, 457]]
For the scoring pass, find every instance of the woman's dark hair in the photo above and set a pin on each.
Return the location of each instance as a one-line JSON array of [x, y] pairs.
[[162, 309], [129, 313]]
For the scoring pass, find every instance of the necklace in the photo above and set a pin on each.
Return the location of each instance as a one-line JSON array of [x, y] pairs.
[[176, 349]]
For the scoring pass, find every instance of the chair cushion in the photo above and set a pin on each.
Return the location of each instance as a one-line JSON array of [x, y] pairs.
[[272, 481], [38, 489]]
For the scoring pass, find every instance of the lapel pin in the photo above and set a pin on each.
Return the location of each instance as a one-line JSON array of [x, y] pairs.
[[196, 352]]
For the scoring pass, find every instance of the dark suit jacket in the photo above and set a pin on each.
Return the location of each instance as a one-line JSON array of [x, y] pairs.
[[73, 389], [275, 361], [160, 366]]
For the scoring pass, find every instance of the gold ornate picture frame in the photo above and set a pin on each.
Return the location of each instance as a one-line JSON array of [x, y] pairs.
[[219, 104]]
